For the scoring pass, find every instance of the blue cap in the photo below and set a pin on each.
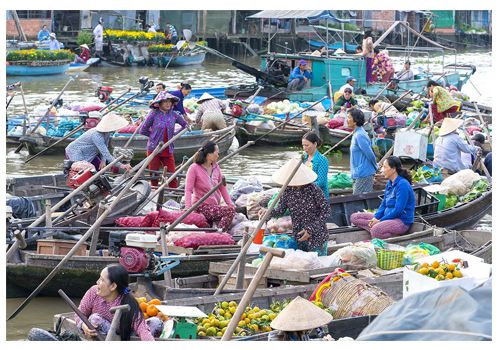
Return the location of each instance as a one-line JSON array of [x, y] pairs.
[[349, 78], [302, 63]]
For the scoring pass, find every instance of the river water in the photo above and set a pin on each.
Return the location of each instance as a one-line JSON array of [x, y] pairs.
[[255, 161]]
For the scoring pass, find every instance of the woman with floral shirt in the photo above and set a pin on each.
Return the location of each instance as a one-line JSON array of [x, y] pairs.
[[382, 68], [307, 205]]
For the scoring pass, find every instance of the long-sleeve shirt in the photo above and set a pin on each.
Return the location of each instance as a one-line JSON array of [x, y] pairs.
[[363, 161], [43, 35], [342, 102], [404, 75], [157, 122], [179, 106], [298, 74], [54, 45], [398, 202], [308, 210], [320, 167], [443, 99], [89, 145], [212, 105], [198, 183], [448, 152], [92, 303], [85, 55]]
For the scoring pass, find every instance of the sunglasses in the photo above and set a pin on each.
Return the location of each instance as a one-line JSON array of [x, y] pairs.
[[347, 92]]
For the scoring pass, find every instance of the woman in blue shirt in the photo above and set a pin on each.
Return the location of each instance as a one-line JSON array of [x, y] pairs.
[[397, 210], [316, 161], [363, 161], [183, 90]]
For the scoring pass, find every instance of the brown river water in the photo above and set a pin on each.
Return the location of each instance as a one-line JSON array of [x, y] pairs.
[[255, 161]]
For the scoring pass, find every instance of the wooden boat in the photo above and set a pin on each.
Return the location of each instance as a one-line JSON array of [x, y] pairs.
[[462, 216], [48, 68], [185, 146], [80, 67], [182, 60]]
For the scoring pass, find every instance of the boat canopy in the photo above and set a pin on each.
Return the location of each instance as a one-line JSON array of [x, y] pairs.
[[311, 15]]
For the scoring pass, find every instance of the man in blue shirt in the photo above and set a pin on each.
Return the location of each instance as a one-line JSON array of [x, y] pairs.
[[300, 77], [44, 33], [171, 34]]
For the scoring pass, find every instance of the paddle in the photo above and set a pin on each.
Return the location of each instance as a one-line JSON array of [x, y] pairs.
[[484, 125], [115, 100], [485, 170], [330, 92], [24, 100], [18, 149], [97, 223], [266, 216], [10, 100], [80, 314]]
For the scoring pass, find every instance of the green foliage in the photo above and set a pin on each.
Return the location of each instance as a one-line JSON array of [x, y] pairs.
[[39, 55], [84, 37]]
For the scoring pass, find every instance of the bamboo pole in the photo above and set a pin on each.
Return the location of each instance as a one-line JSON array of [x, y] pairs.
[[115, 100]]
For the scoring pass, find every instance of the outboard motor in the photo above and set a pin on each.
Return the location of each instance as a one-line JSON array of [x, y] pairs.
[[135, 250], [104, 93]]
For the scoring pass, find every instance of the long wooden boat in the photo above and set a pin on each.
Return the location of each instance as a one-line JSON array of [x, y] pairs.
[[463, 216], [80, 67], [182, 60], [185, 146], [47, 69]]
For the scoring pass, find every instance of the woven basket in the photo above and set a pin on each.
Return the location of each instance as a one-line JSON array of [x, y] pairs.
[[389, 259], [351, 297]]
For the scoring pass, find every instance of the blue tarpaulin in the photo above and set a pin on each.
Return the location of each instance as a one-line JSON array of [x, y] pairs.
[[311, 15]]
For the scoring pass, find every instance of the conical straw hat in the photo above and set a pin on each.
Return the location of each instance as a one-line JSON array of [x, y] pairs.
[[85, 46], [205, 96], [303, 176], [111, 122], [449, 125], [300, 315]]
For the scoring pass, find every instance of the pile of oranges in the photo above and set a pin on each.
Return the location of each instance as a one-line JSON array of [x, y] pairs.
[[149, 308]]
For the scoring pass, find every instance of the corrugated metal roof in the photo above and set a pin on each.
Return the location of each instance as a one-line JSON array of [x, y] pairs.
[[287, 14]]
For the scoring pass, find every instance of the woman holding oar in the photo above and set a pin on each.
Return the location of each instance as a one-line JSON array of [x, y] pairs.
[[92, 146], [183, 90], [112, 290], [307, 204], [397, 210], [363, 161], [159, 126], [201, 176], [316, 161]]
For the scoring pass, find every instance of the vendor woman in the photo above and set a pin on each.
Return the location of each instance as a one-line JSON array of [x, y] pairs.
[[307, 204], [159, 126], [316, 161], [183, 90]]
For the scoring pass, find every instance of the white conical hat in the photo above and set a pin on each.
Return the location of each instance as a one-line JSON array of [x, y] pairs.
[[449, 125], [339, 52], [85, 46], [205, 96], [300, 315], [111, 122], [303, 176]]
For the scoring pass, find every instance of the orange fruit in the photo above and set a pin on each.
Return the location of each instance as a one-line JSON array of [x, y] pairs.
[[155, 302], [160, 315], [143, 306], [146, 316], [152, 310]]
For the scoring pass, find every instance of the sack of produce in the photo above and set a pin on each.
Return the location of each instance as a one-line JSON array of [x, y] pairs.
[[257, 200], [296, 260], [460, 183], [195, 240], [360, 255], [245, 186], [340, 180], [280, 225]]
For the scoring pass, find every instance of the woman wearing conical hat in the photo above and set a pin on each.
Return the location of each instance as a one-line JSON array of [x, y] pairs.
[[84, 55], [159, 126], [449, 146], [92, 146], [209, 113], [307, 205]]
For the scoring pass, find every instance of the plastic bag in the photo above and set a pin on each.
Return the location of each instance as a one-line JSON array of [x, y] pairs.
[[195, 240], [296, 260], [280, 225], [256, 201], [360, 255], [460, 183], [280, 241], [241, 202], [245, 186], [417, 251], [340, 180]]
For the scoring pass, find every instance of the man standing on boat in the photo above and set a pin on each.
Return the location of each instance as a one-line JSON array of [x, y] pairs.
[[98, 37], [406, 73], [53, 43], [300, 77], [171, 34], [44, 33], [349, 83]]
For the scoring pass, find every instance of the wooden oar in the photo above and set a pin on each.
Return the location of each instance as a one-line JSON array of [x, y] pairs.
[[121, 103], [24, 100], [18, 149], [397, 100], [115, 323], [135, 132], [382, 91], [97, 223], [10, 100], [266, 216], [71, 133], [338, 143], [486, 172], [330, 91], [80, 314], [115, 100], [485, 126]]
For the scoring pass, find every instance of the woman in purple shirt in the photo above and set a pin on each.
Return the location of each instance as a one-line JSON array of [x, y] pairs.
[[160, 127]]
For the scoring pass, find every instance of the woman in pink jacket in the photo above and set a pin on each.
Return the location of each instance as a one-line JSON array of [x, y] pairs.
[[201, 177]]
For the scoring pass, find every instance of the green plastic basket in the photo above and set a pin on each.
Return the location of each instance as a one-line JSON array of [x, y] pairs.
[[389, 259]]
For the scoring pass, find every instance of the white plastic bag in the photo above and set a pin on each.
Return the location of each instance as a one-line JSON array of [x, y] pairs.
[[360, 255], [460, 183], [297, 260]]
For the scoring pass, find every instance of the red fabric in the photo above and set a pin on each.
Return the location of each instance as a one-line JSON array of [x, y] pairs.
[[90, 108], [129, 129], [195, 240], [471, 130], [440, 116], [336, 122], [155, 218], [85, 55], [163, 161]]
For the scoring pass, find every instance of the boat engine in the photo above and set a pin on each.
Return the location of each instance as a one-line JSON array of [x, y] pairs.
[[94, 192], [137, 253], [104, 93]]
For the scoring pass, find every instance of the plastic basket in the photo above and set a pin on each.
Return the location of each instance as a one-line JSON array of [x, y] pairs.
[[389, 259]]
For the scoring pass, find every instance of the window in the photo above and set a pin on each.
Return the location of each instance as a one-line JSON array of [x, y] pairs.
[[30, 14], [345, 72]]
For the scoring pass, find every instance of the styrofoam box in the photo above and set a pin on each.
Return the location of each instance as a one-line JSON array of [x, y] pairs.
[[141, 240], [410, 144], [475, 274]]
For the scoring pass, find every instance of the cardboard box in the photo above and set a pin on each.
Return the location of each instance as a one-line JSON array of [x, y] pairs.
[[410, 144], [59, 247]]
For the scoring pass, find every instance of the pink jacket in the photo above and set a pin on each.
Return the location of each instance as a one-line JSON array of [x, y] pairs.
[[198, 183]]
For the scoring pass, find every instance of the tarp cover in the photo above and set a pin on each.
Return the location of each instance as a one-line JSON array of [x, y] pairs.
[[448, 313], [312, 15]]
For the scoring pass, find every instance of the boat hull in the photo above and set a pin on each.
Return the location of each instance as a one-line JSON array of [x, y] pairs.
[[179, 61], [32, 70]]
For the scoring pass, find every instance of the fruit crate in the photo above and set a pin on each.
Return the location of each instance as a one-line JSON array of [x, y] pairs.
[[425, 202]]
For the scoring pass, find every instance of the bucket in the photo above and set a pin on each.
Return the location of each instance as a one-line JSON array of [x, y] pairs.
[[259, 237], [442, 200]]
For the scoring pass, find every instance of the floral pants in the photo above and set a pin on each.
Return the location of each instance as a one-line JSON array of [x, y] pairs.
[[219, 214]]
